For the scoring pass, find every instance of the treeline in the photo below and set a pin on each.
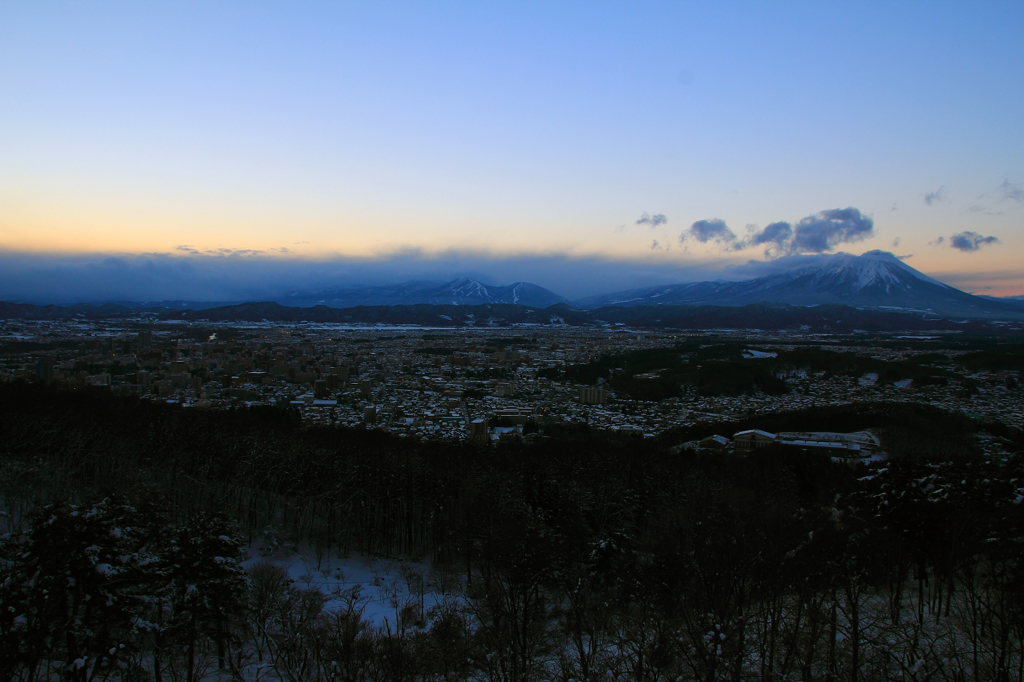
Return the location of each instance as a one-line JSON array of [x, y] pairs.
[[910, 432], [1005, 356], [112, 588], [713, 369], [718, 368], [579, 557]]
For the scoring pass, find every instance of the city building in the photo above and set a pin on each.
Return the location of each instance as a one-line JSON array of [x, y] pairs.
[[753, 439]]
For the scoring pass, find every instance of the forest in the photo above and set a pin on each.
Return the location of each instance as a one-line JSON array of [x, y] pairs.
[[578, 557], [713, 367]]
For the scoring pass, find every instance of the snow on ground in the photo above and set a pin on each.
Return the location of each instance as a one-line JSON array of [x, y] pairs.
[[382, 587]]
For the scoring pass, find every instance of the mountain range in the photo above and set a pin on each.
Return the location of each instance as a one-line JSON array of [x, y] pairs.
[[462, 291], [874, 281], [28, 311]]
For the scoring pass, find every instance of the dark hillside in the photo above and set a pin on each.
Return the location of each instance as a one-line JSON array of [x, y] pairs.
[[620, 544]]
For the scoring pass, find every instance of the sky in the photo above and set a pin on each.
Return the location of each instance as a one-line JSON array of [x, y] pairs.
[[216, 151]]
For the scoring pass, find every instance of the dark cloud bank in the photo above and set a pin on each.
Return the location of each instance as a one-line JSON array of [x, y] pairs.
[[35, 278], [243, 275]]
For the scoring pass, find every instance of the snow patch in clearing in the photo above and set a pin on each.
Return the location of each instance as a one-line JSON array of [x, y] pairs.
[[382, 587]]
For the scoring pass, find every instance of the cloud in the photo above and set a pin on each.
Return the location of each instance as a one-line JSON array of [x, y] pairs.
[[937, 241], [962, 277], [935, 197], [818, 233], [652, 220], [182, 275], [713, 230], [896, 242], [223, 252], [825, 230], [982, 209], [773, 237], [1011, 192], [235, 253], [970, 241], [655, 245], [760, 268]]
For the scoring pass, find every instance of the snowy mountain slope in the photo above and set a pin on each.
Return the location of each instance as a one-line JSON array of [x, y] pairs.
[[462, 291], [875, 279]]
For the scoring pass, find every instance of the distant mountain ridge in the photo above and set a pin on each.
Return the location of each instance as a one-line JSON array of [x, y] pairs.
[[463, 291], [29, 311], [832, 318], [876, 279]]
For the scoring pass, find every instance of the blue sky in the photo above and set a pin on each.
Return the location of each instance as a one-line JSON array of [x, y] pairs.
[[381, 141]]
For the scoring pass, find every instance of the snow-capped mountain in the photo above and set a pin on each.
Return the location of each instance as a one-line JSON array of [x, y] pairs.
[[876, 279], [462, 291]]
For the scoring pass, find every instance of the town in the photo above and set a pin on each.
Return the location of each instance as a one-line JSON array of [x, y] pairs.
[[483, 385]]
